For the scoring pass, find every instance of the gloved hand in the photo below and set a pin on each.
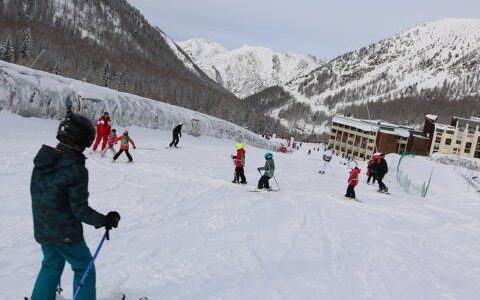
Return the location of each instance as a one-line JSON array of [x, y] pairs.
[[134, 147], [111, 220], [259, 169], [232, 156]]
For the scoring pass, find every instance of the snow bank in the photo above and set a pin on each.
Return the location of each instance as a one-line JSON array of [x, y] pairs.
[[458, 161], [32, 93]]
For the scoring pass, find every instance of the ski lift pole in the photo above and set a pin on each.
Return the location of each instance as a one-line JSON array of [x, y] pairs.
[[106, 236]]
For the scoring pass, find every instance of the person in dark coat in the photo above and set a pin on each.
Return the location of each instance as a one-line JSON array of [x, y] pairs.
[[176, 135], [59, 192], [382, 170], [372, 169]]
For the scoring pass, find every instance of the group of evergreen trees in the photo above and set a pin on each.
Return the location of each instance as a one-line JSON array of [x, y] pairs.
[[17, 49]]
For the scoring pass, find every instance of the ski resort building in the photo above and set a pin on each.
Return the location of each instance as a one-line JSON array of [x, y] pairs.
[[360, 139], [461, 137]]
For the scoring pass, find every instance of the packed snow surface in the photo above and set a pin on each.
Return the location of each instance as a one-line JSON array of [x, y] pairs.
[[188, 233]]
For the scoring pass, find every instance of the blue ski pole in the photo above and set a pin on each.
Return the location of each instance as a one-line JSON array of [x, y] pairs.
[[106, 236]]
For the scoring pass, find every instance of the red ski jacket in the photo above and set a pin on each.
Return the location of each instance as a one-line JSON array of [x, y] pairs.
[[104, 125], [353, 178], [240, 158]]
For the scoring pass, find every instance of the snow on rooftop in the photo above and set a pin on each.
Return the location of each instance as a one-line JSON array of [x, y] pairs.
[[357, 123], [431, 117]]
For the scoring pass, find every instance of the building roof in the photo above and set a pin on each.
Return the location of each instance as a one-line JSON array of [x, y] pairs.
[[374, 125], [357, 123], [396, 131], [432, 117], [444, 126]]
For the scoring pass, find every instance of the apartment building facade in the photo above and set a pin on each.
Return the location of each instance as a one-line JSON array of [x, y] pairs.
[[360, 139], [461, 137]]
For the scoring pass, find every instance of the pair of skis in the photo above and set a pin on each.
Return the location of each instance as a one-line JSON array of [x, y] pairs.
[[120, 297]]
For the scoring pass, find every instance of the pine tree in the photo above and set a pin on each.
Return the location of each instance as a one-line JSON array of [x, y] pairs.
[[27, 43], [8, 52], [107, 75]]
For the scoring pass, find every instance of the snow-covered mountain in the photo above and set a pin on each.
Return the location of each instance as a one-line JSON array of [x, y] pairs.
[[248, 70], [428, 68], [110, 43]]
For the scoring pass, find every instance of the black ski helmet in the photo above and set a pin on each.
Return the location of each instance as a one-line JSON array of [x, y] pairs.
[[76, 130]]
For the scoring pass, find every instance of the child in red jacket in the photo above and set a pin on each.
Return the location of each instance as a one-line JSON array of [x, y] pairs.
[[125, 140], [112, 140], [352, 183], [239, 161]]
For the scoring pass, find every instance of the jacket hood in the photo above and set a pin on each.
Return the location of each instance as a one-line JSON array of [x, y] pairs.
[[49, 157]]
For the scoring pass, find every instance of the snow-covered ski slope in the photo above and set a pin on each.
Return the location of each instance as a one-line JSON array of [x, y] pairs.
[[30, 92], [188, 233]]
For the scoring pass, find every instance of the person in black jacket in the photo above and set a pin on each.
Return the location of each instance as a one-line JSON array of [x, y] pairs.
[[59, 191], [176, 134], [382, 170]]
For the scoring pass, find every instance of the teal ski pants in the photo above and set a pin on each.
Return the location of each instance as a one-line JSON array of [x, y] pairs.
[[54, 257]]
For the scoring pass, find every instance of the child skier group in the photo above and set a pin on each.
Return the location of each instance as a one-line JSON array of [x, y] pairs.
[[239, 175], [377, 168]]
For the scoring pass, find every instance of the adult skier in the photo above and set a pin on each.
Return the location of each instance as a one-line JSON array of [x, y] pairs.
[[352, 182], [239, 161], [381, 172], [327, 157], [372, 167], [268, 173], [104, 125], [59, 191], [176, 135], [125, 141]]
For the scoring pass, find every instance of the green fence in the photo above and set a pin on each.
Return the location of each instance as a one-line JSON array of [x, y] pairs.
[[407, 183]]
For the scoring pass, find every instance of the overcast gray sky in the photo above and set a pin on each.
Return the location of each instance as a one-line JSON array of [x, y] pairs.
[[322, 28]]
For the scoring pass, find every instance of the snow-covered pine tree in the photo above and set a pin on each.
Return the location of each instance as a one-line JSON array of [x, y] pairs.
[[27, 43], [8, 54], [107, 74]]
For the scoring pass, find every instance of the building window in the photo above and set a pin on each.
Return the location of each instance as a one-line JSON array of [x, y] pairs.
[[458, 142], [438, 139], [370, 148], [448, 141], [468, 147], [350, 142], [355, 153]]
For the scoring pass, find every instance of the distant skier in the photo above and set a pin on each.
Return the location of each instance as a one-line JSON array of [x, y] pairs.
[[372, 170], [112, 140], [352, 182], [59, 191], [104, 125], [268, 173], [309, 151], [381, 172], [125, 141], [239, 161], [327, 157], [176, 135]]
